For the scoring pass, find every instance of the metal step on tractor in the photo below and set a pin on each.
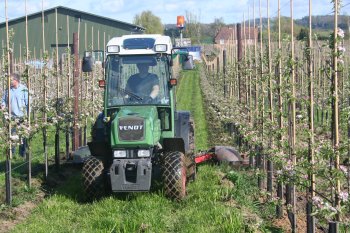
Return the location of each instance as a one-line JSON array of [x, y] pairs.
[[139, 137]]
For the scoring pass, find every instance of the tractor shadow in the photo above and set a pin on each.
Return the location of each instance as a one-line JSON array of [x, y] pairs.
[[68, 182], [65, 181], [19, 168]]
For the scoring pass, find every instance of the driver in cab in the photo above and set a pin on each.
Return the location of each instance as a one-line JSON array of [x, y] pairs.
[[144, 84]]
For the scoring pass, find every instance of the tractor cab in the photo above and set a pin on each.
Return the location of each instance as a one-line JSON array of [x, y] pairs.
[[137, 70], [137, 80]]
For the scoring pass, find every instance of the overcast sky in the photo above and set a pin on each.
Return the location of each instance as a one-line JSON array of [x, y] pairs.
[[231, 11]]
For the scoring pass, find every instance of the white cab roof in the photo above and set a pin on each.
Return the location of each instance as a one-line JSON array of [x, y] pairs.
[[159, 39]]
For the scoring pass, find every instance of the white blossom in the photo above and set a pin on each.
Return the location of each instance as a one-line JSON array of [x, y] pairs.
[[341, 49], [343, 196], [340, 33], [344, 169], [318, 202], [14, 138]]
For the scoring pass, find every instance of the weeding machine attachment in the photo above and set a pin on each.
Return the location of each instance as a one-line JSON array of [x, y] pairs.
[[222, 154]]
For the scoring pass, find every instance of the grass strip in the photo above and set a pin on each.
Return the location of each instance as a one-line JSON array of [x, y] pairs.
[[189, 97]]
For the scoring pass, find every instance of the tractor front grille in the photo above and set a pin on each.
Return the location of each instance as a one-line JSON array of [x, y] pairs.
[[131, 129]]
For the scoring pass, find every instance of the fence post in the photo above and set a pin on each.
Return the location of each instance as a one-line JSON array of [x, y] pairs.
[[76, 91], [269, 163], [259, 164], [58, 103], [11, 62], [217, 71], [239, 56], [333, 227], [9, 151], [279, 208], [310, 219], [8, 178], [224, 71]]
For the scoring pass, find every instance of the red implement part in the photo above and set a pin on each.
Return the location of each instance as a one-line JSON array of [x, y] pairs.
[[204, 157], [222, 154]]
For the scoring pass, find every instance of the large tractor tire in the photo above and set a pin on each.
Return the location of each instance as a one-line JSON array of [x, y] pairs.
[[174, 175], [93, 178]]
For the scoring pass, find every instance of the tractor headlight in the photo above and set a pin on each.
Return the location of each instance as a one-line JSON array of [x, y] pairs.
[[160, 48], [143, 153], [113, 49], [119, 153]]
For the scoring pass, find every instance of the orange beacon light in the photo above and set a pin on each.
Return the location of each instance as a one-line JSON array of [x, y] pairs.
[[180, 22]]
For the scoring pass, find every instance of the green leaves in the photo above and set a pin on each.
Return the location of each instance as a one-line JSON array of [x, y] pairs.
[[150, 22]]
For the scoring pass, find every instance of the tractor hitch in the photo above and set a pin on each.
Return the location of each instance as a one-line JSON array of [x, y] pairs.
[[222, 154]]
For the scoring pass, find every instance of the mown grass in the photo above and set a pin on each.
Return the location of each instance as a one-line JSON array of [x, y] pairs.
[[202, 211], [189, 97]]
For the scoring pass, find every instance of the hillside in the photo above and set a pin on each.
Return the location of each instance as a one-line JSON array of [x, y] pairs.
[[324, 22], [321, 24]]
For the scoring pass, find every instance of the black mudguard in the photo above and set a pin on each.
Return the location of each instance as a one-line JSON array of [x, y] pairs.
[[182, 131], [99, 146], [174, 144]]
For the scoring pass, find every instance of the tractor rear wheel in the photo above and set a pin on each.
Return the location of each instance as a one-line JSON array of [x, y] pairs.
[[93, 178], [174, 175]]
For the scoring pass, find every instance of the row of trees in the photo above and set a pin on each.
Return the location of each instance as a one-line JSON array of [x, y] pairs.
[[288, 104], [205, 33], [194, 29]]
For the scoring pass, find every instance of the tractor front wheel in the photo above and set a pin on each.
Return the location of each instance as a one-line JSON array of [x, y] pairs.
[[93, 178], [174, 175]]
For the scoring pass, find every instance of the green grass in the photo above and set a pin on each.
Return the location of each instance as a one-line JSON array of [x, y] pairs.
[[20, 190], [189, 97], [202, 211]]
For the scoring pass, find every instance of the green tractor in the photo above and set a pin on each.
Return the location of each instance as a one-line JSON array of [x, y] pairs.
[[140, 137]]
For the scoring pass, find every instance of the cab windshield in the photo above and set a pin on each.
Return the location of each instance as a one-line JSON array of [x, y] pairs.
[[137, 80]]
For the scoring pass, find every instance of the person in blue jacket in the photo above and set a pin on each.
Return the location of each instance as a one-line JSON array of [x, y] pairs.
[[18, 104]]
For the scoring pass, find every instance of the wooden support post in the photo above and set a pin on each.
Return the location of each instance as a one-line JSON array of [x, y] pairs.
[[76, 91], [311, 176], [335, 126], [262, 106], [44, 72], [279, 208], [292, 189], [217, 71], [57, 134], [224, 71], [333, 227], [8, 170], [239, 56], [269, 184], [11, 62], [28, 149]]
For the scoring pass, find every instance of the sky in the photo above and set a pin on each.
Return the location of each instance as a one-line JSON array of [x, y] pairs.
[[204, 11]]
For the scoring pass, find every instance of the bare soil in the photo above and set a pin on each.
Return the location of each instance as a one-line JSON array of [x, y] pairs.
[[10, 217]]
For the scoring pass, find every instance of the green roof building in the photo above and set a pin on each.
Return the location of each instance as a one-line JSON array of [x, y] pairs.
[[94, 31]]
